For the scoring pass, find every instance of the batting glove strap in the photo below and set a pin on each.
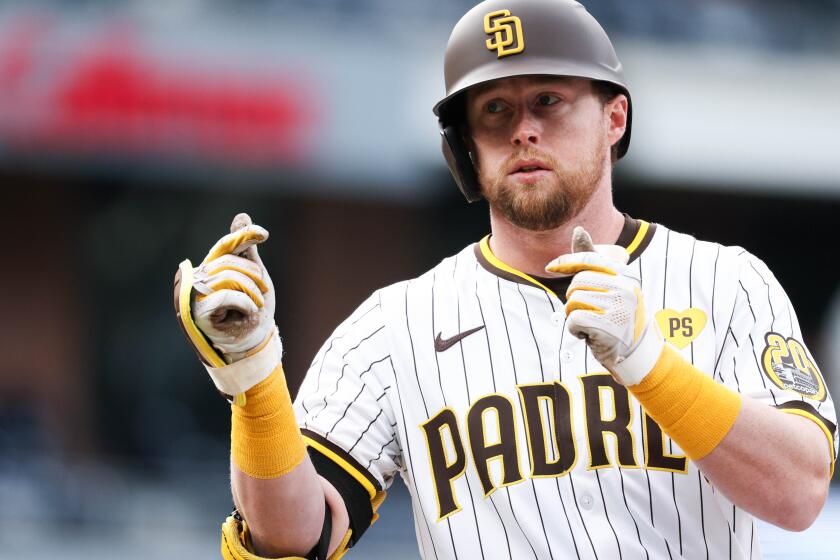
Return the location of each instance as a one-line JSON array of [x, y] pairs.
[[236, 543], [236, 378], [635, 367]]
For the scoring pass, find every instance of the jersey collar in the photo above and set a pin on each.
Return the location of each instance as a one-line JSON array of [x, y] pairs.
[[635, 236]]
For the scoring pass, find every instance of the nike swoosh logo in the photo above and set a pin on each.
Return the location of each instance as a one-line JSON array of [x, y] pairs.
[[442, 345]]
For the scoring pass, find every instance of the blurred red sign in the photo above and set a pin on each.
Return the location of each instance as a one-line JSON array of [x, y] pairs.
[[107, 97]]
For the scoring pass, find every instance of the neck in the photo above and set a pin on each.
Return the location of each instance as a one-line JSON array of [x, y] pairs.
[[529, 251]]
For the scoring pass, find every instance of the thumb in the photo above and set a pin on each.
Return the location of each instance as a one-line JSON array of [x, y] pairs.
[[581, 241], [242, 221], [244, 235]]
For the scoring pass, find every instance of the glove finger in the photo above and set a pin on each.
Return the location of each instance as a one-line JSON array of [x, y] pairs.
[[581, 322], [602, 343], [571, 264], [233, 280], [588, 280], [595, 302], [237, 243], [238, 264], [611, 310]]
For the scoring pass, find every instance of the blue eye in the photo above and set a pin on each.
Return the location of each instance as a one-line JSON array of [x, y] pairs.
[[495, 107], [547, 99]]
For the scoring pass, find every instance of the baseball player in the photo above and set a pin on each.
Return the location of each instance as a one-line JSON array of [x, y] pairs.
[[578, 384]]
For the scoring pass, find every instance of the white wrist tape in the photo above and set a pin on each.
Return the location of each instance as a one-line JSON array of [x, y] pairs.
[[635, 367], [238, 377]]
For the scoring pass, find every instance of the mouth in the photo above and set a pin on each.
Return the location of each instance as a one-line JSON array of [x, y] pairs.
[[524, 167]]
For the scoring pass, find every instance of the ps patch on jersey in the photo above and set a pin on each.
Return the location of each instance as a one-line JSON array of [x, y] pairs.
[[786, 362], [680, 329]]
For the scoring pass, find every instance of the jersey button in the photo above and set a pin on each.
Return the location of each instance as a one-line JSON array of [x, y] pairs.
[[567, 356], [586, 501], [557, 318]]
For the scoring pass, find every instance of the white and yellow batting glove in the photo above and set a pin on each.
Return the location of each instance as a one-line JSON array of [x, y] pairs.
[[605, 308], [225, 306]]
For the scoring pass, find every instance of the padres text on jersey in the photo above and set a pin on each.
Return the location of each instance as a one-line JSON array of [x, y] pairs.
[[514, 442]]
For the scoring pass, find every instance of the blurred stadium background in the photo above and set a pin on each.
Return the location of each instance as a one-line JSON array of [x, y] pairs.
[[131, 132]]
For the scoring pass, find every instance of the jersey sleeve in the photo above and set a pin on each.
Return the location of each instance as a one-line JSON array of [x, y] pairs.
[[345, 416], [765, 357]]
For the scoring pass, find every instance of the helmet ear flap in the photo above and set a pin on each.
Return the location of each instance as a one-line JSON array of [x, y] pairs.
[[460, 164]]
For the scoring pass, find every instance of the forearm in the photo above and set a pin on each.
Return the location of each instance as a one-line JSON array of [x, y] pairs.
[[766, 461], [225, 306], [274, 483], [773, 465], [285, 515]]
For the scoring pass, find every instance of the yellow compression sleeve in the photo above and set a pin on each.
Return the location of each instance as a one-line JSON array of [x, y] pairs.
[[688, 405], [265, 441]]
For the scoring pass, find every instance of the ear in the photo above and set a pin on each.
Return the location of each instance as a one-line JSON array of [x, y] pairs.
[[472, 151], [616, 112]]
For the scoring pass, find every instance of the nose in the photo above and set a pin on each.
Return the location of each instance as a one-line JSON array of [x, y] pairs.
[[526, 130]]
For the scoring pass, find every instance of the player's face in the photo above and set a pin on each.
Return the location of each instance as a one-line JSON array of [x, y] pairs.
[[542, 147]]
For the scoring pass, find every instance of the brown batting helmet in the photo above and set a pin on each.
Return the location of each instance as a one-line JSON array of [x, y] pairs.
[[503, 38]]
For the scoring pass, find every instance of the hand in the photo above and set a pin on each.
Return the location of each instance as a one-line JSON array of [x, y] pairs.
[[225, 306], [234, 299], [606, 309]]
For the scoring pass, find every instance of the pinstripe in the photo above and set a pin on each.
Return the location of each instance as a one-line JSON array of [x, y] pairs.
[[551, 440], [753, 347], [467, 389], [493, 379], [621, 474], [714, 287], [557, 480], [443, 395], [749, 302], [598, 475], [381, 449], [583, 524], [419, 390], [630, 513], [362, 388], [702, 513], [332, 342], [769, 299], [516, 381], [752, 538], [758, 370], [343, 369], [566, 515], [723, 344], [641, 415], [735, 373], [691, 288], [507, 490], [699, 478], [571, 480], [411, 470], [378, 414], [607, 514], [670, 443]]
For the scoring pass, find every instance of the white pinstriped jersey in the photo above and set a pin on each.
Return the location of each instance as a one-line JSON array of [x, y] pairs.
[[515, 442]]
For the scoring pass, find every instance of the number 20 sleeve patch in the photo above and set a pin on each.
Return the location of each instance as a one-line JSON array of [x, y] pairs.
[[786, 362]]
